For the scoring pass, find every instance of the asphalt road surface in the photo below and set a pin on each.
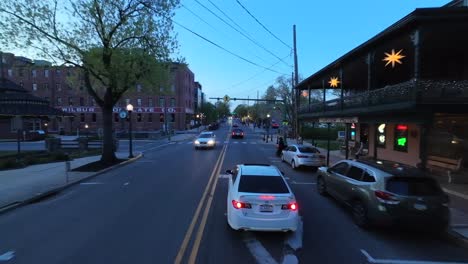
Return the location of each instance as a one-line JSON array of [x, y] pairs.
[[169, 207]]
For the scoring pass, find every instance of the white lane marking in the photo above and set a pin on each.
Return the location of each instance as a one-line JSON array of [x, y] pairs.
[[290, 259], [455, 193], [127, 183], [190, 142], [90, 183], [172, 143], [7, 256], [370, 259], [275, 161], [304, 183], [253, 142], [243, 142], [294, 240], [225, 142], [224, 176], [258, 251], [235, 142], [156, 147]]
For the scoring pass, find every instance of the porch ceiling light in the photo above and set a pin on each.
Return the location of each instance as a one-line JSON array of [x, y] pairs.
[[392, 58], [334, 82], [381, 128]]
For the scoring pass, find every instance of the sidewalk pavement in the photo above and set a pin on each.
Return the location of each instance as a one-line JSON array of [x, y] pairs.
[[22, 184], [458, 210]]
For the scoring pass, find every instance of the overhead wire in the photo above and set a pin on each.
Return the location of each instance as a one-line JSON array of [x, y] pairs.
[[224, 49], [260, 23], [249, 38]]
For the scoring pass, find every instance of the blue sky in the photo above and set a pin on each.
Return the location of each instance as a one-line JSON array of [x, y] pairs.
[[325, 31]]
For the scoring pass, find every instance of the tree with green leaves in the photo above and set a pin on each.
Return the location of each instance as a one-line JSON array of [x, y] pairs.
[[116, 43], [223, 109]]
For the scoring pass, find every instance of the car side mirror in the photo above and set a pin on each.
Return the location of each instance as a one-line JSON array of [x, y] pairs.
[[229, 172]]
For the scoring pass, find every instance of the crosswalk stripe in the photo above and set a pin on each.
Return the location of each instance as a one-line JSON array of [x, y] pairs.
[[236, 142], [190, 142], [244, 142]]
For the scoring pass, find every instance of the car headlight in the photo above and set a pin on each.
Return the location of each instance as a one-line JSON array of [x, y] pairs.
[[196, 142], [211, 142]]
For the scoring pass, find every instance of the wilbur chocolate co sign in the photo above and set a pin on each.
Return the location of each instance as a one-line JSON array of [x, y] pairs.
[[85, 109]]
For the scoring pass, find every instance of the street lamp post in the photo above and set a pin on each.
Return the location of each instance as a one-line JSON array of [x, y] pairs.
[[198, 123], [268, 127], [87, 131], [130, 146]]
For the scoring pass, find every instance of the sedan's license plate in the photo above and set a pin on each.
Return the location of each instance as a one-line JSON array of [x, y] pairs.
[[266, 208], [420, 207]]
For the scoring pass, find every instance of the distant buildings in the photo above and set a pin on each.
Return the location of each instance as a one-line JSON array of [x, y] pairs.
[[63, 88]]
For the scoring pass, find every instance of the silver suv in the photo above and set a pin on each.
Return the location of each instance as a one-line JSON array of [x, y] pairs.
[[385, 192]]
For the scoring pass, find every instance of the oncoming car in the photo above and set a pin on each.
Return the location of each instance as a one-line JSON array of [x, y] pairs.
[[205, 140], [260, 199]]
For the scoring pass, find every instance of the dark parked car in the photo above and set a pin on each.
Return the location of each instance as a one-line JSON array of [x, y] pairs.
[[213, 126], [237, 133], [36, 135], [386, 192]]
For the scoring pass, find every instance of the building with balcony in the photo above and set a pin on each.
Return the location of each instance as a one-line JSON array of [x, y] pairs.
[[402, 94]]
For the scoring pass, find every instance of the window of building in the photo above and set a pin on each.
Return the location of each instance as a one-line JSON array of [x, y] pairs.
[[34, 73], [70, 101], [46, 86], [138, 88], [59, 101], [69, 73], [162, 101], [139, 102], [94, 117], [58, 87], [127, 101], [116, 117], [172, 102], [150, 117], [82, 118], [10, 73], [46, 73], [381, 139], [173, 88], [139, 117], [401, 138], [150, 102], [20, 72], [34, 86], [57, 72], [82, 101]]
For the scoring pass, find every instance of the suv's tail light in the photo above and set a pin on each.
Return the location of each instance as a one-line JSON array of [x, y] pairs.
[[239, 205], [302, 156], [233, 133], [290, 206], [386, 197]]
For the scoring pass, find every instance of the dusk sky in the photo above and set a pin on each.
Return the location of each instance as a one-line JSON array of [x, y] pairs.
[[326, 30]]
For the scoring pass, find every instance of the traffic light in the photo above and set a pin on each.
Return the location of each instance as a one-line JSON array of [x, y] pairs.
[[161, 118]]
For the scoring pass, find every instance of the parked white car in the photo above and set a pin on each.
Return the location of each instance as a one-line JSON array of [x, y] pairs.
[[299, 155], [260, 199]]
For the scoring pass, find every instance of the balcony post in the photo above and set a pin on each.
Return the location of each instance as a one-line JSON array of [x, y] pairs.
[[369, 60], [324, 96], [415, 38], [308, 88], [342, 91]]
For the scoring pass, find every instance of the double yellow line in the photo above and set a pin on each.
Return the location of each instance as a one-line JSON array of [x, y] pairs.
[[201, 228]]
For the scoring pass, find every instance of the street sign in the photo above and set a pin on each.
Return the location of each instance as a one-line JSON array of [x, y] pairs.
[[338, 120], [123, 114]]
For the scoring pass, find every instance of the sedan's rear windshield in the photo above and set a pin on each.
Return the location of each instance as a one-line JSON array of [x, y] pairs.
[[262, 184], [308, 150], [413, 186], [205, 136], [237, 130]]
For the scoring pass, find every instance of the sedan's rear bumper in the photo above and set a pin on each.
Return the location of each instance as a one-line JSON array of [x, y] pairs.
[[311, 163], [238, 221]]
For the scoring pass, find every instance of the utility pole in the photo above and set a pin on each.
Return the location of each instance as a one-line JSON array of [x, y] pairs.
[[296, 81]]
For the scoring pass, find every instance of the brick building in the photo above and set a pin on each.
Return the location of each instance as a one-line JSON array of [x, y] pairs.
[[63, 87]]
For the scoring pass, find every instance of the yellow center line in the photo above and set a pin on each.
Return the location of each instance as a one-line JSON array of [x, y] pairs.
[[189, 232]]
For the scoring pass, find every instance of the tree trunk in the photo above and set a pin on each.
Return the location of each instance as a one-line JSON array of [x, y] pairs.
[[108, 155]]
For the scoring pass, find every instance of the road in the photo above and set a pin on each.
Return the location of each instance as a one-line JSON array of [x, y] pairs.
[[152, 211]]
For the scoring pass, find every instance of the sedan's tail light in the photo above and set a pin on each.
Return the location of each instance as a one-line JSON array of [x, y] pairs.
[[302, 156], [386, 197], [233, 133], [290, 206], [239, 205]]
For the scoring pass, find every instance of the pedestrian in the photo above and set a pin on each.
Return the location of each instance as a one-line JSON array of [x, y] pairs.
[[280, 147], [359, 151]]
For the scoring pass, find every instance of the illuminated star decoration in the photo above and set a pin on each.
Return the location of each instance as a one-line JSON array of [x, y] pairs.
[[393, 58], [334, 82], [305, 93]]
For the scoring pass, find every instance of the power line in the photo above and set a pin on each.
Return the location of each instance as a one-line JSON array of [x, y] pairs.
[[228, 17], [226, 50], [271, 33], [249, 38], [195, 14]]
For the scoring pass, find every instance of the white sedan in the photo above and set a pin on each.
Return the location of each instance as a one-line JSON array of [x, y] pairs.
[[298, 155], [260, 199], [205, 140]]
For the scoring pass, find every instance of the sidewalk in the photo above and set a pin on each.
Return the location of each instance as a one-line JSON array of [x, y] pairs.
[[22, 184]]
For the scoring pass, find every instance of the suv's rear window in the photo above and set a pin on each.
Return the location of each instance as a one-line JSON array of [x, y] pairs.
[[262, 184], [413, 186]]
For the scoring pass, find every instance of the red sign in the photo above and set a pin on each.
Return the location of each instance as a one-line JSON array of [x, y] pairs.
[[85, 109]]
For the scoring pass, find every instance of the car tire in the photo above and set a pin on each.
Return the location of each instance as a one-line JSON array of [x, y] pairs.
[[282, 158], [360, 217], [293, 165], [321, 186]]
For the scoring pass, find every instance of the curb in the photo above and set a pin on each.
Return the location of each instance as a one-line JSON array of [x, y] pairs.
[[456, 238], [40, 196]]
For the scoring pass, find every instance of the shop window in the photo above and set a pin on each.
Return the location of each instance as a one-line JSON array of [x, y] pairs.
[[381, 138], [82, 118], [94, 117], [150, 102], [139, 102], [139, 117], [401, 138], [172, 102], [162, 102], [150, 118]]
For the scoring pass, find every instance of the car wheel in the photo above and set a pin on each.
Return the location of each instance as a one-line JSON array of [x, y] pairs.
[[360, 214], [321, 186], [282, 158], [293, 165]]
